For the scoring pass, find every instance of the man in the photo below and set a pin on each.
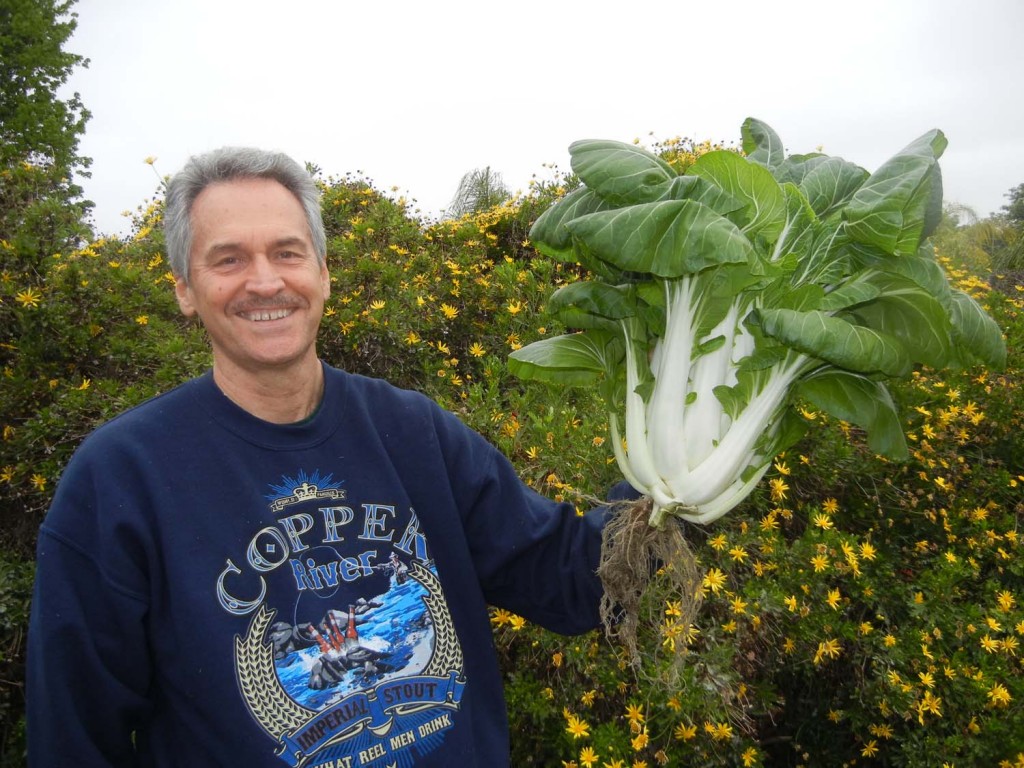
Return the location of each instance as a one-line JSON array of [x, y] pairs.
[[210, 586]]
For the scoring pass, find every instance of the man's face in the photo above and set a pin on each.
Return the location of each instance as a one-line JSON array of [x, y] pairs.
[[254, 278]]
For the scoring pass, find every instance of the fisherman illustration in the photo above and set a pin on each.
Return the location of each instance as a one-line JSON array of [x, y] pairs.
[[395, 568]]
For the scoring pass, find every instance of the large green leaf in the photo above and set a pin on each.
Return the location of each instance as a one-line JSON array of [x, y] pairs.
[[589, 304], [834, 340], [906, 311], [830, 184], [667, 239], [798, 232], [549, 234], [764, 214], [796, 167], [570, 360], [622, 174], [924, 270], [761, 144], [901, 202], [861, 401], [978, 334], [702, 191]]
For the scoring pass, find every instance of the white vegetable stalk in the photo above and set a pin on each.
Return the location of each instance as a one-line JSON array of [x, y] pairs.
[[682, 448]]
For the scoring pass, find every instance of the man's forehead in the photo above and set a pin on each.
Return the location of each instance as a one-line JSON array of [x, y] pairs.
[[227, 213]]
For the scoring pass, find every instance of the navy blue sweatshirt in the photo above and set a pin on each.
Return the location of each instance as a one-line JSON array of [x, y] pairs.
[[216, 590]]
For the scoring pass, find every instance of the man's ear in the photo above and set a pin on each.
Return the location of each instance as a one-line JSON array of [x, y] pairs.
[[325, 281], [184, 295]]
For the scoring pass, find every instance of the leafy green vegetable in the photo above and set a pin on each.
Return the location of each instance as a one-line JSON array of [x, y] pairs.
[[725, 294]]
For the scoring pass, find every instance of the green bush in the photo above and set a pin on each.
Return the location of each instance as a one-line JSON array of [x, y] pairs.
[[855, 611]]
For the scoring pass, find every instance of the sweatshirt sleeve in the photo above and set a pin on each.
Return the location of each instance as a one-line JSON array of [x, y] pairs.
[[535, 557], [88, 671]]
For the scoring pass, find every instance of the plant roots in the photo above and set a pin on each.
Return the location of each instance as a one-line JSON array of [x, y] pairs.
[[642, 569]]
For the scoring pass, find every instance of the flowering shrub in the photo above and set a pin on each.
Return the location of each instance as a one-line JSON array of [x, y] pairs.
[[855, 611]]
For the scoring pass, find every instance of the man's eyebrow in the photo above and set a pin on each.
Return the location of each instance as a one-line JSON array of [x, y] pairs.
[[283, 242]]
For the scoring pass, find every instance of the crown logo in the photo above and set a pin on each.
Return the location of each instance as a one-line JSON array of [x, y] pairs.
[[306, 491]]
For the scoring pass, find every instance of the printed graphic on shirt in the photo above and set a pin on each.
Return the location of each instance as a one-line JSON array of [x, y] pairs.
[[362, 667]]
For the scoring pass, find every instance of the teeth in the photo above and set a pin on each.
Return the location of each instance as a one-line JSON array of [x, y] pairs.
[[268, 314]]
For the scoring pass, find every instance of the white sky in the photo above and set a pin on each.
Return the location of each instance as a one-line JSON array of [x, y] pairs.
[[413, 94]]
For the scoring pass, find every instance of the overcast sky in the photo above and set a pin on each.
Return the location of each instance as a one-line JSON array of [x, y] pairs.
[[413, 94]]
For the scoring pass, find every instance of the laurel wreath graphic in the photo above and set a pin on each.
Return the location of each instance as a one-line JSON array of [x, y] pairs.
[[276, 712]]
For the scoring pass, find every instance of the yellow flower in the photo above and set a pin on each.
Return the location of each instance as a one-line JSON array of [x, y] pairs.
[[149, 160], [929, 703], [577, 728], [867, 551], [820, 563], [684, 732], [749, 757], [39, 482], [412, 338], [829, 648], [999, 696], [833, 599], [778, 488], [517, 622], [477, 350], [714, 580], [514, 307], [823, 521], [635, 713], [449, 311], [739, 554], [791, 603], [870, 749], [719, 542], [142, 319], [1006, 601], [830, 506], [588, 756], [378, 304], [640, 741], [500, 616], [28, 298], [990, 645], [86, 383]]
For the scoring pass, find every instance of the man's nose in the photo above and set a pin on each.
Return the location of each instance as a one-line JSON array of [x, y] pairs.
[[263, 278]]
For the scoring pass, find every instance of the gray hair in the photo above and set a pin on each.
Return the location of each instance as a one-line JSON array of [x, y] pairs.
[[230, 164]]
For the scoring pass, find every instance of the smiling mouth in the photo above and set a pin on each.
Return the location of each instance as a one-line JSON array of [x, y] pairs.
[[261, 315]]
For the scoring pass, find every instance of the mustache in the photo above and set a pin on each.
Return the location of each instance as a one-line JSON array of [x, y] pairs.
[[255, 304]]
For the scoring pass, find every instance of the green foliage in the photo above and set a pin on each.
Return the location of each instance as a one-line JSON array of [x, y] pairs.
[[438, 307], [40, 207], [15, 595]]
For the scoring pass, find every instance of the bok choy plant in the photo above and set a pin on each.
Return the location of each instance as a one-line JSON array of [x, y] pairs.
[[722, 297]]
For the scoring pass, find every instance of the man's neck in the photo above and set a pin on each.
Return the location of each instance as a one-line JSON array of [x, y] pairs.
[[283, 396]]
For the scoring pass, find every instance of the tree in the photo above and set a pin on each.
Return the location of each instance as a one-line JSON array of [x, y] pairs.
[[478, 190], [41, 207], [1014, 210]]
